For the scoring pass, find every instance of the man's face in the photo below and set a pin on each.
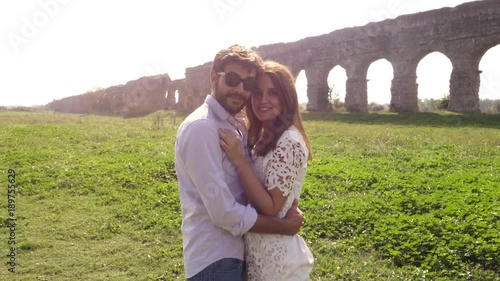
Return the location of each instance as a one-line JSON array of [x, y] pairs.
[[232, 98]]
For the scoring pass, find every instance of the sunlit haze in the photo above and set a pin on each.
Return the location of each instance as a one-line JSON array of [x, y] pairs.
[[52, 49]]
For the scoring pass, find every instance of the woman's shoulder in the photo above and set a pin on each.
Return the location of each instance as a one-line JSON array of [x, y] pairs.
[[292, 137], [292, 145], [292, 134]]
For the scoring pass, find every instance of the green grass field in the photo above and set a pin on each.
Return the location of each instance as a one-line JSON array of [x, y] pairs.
[[387, 197]]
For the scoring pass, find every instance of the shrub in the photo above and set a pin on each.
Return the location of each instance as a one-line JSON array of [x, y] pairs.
[[442, 104]]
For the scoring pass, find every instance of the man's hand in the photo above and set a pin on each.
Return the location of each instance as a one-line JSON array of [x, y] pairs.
[[294, 218]]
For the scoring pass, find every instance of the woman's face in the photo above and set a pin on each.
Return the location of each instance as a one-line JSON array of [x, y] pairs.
[[266, 102]]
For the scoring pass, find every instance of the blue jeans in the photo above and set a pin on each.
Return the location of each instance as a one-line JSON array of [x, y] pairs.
[[227, 269]]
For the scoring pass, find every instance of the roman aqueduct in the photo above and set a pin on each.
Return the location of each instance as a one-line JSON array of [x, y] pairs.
[[463, 34]]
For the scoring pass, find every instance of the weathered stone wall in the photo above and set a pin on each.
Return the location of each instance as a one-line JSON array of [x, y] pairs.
[[178, 86], [136, 98], [463, 34], [197, 86]]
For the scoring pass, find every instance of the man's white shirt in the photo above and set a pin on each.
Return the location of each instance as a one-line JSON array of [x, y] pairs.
[[214, 207]]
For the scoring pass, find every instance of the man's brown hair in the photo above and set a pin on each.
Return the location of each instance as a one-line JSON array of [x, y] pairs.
[[237, 54]]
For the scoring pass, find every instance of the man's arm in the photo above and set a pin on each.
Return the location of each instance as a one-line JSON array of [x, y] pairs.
[[202, 163], [289, 225]]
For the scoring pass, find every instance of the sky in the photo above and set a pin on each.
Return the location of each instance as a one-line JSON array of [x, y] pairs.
[[50, 49]]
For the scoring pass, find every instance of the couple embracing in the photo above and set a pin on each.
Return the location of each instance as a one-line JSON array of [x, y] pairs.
[[239, 182]]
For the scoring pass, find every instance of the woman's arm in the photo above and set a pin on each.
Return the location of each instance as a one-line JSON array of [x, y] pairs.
[[282, 173], [267, 202], [289, 225], [263, 201]]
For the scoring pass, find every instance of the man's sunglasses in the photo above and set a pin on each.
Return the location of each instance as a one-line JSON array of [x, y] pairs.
[[233, 80]]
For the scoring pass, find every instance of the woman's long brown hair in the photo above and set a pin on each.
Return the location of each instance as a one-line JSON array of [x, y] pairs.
[[263, 140]]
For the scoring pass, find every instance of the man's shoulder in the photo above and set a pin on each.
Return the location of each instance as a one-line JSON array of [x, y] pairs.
[[197, 123], [200, 115]]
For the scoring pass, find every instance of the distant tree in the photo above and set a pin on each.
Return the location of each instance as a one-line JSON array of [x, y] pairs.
[[334, 97], [303, 106], [442, 104], [489, 106], [427, 105], [375, 107]]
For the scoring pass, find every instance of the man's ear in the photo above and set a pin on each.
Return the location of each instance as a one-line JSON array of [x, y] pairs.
[[213, 77]]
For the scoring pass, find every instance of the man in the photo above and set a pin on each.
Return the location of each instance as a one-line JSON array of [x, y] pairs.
[[214, 208]]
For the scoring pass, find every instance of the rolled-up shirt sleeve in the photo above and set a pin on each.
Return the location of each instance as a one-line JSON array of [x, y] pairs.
[[202, 164]]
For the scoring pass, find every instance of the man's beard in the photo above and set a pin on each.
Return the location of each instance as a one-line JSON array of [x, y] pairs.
[[222, 98]]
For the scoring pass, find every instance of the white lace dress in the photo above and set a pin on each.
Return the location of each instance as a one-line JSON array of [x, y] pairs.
[[272, 257]]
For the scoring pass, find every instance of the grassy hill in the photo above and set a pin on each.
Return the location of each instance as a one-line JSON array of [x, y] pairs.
[[387, 197]]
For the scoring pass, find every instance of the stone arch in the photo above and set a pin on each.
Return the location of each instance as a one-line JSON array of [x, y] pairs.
[[384, 75], [317, 85], [462, 33], [438, 74], [175, 90], [464, 82], [465, 78], [301, 86], [489, 88], [337, 80], [356, 86]]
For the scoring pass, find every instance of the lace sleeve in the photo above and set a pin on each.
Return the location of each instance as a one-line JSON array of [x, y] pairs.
[[284, 164]]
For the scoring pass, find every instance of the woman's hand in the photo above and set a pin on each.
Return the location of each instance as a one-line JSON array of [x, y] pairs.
[[231, 144], [240, 118]]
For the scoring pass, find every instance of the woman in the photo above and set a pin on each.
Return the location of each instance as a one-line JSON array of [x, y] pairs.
[[280, 153]]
